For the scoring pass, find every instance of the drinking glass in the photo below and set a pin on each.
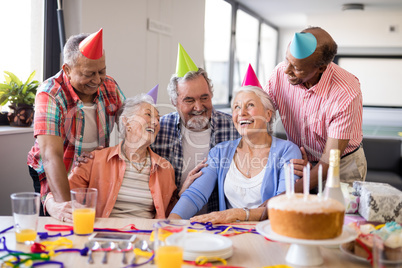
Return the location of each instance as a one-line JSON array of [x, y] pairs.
[[25, 207], [385, 256], [83, 203], [168, 256]]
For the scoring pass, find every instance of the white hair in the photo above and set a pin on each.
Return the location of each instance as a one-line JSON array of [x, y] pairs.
[[265, 100], [129, 108]]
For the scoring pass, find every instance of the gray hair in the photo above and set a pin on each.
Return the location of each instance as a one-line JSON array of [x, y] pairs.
[[129, 108], [174, 80], [71, 51], [265, 100]]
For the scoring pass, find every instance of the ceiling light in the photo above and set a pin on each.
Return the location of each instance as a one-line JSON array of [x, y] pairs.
[[352, 7]]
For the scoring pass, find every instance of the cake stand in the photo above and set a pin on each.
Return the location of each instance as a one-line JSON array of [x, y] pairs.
[[305, 252]]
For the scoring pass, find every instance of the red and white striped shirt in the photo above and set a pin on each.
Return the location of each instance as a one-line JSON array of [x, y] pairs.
[[330, 109]]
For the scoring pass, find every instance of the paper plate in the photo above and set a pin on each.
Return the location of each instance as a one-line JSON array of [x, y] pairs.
[[201, 243], [192, 256]]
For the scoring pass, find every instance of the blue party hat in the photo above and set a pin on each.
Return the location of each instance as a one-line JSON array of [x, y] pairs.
[[154, 93], [303, 45]]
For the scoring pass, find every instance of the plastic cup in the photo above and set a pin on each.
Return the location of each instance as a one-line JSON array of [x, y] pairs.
[[386, 256], [83, 203], [25, 207], [168, 256]]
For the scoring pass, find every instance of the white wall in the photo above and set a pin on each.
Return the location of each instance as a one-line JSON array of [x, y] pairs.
[[362, 28], [138, 58], [355, 31]]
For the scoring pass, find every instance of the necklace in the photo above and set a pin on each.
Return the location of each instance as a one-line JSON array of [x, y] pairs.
[[139, 170], [241, 164]]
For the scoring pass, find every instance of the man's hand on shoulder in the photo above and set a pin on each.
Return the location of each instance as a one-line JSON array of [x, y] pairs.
[[193, 175], [83, 158]]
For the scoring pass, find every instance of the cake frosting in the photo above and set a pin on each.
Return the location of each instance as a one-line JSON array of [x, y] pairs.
[[313, 204], [310, 218]]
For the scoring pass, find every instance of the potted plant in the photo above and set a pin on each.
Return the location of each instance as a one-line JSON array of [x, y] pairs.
[[21, 97]]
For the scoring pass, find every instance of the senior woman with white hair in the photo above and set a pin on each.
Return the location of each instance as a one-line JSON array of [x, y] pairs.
[[248, 170], [132, 180]]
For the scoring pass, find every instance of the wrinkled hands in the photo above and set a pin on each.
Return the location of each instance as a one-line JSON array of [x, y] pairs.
[[299, 164], [83, 158], [193, 175], [61, 211], [225, 216]]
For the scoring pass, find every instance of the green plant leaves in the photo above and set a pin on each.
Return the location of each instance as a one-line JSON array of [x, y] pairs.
[[16, 92]]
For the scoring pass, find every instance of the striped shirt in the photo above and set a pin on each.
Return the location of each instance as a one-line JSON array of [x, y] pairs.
[[330, 109], [134, 198], [59, 112]]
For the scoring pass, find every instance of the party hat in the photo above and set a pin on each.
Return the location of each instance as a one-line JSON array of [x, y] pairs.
[[250, 79], [154, 93], [92, 46], [184, 63], [303, 45]]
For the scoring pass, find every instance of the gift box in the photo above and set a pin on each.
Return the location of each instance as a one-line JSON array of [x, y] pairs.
[[351, 199], [379, 202]]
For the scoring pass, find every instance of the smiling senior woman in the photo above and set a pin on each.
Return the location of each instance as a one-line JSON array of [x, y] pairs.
[[132, 180], [248, 170]]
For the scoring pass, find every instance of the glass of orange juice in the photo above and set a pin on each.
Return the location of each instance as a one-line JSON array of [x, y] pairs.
[[25, 207], [168, 256], [83, 203]]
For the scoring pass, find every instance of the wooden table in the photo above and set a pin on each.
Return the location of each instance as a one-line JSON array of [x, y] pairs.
[[250, 250]]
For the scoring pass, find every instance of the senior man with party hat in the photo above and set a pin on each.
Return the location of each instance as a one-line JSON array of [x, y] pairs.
[[187, 135], [320, 105], [75, 111]]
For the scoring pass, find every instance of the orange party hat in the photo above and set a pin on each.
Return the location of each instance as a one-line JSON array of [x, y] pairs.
[[92, 46]]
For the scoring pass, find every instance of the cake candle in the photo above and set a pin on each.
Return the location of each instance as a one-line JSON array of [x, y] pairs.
[[306, 181], [287, 181], [292, 179], [320, 180]]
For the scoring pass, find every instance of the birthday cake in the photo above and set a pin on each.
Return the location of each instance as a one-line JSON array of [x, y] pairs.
[[310, 218]]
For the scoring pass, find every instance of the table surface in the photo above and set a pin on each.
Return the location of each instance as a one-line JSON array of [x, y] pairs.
[[249, 250]]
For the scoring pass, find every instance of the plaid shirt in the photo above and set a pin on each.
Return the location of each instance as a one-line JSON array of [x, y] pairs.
[[168, 143], [58, 112]]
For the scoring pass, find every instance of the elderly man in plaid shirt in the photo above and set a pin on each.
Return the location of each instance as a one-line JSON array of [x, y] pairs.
[[186, 136], [75, 112]]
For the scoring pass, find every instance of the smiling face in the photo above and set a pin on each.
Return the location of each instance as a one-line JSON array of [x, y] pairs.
[[143, 126], [249, 114], [303, 71], [86, 76], [194, 103]]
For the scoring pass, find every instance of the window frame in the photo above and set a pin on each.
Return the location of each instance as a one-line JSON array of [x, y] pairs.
[[235, 7]]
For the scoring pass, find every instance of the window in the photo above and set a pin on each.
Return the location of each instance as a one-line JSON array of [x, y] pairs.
[[217, 47], [21, 49], [246, 46], [268, 52], [234, 38]]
